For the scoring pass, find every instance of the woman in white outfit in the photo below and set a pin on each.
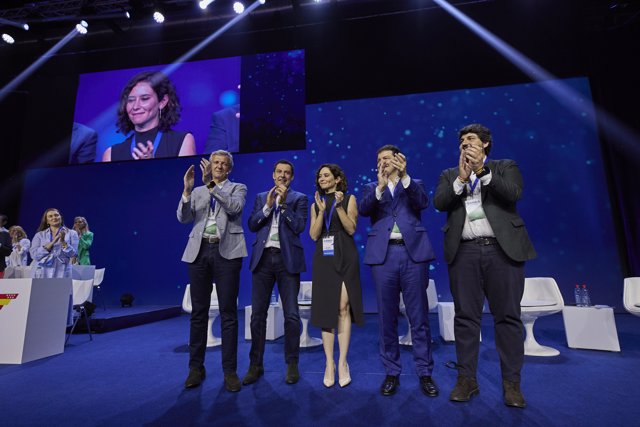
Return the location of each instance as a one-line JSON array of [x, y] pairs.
[[54, 245]]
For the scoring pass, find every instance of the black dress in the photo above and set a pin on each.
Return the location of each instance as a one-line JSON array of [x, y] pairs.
[[329, 272], [169, 145]]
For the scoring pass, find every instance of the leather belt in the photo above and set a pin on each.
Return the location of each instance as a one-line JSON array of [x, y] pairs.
[[211, 239], [273, 249], [482, 241], [396, 242]]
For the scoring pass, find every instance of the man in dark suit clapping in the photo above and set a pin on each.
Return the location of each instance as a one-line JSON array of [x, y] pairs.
[[278, 217], [485, 245]]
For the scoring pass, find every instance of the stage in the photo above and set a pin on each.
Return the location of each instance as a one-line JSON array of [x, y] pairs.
[[134, 377]]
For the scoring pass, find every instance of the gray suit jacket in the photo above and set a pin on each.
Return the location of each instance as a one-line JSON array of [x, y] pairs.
[[230, 201]]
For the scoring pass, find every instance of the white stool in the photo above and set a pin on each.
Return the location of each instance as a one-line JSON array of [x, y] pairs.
[[446, 315], [432, 298], [304, 308], [275, 322], [592, 328], [214, 311]]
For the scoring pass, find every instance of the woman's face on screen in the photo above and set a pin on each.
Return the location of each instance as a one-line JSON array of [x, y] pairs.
[[143, 107]]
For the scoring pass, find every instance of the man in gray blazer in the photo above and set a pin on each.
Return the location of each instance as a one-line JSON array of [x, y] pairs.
[[214, 253], [485, 245]]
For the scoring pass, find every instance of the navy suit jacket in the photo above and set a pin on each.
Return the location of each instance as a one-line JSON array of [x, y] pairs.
[[83, 144], [224, 133], [404, 208], [292, 222]]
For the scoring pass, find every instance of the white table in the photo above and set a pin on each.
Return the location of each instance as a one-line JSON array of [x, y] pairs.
[[33, 318], [275, 322], [592, 328]]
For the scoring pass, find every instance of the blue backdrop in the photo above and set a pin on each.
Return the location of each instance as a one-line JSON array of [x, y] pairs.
[[131, 205]]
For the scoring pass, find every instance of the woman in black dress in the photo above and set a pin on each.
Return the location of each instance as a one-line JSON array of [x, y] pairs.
[[337, 295], [150, 106]]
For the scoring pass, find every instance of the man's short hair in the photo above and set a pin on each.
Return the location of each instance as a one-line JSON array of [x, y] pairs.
[[223, 153], [483, 133], [389, 147], [3, 219], [283, 162]]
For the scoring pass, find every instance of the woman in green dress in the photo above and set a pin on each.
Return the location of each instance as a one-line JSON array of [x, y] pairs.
[[81, 227]]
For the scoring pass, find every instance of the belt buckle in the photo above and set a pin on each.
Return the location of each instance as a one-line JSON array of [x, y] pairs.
[[484, 241], [212, 239]]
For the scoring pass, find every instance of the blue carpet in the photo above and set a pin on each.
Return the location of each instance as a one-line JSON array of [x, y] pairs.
[[134, 377]]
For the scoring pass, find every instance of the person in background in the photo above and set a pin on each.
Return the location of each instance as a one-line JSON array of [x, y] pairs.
[[336, 294], [83, 144], [5, 244], [54, 245], [19, 256], [149, 106], [81, 226]]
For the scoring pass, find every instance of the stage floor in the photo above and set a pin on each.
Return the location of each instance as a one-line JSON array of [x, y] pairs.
[[135, 377]]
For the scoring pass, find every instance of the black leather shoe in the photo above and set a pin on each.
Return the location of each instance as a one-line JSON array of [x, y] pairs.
[[232, 382], [390, 385], [293, 375], [253, 374], [428, 386], [464, 390], [195, 377], [512, 394]]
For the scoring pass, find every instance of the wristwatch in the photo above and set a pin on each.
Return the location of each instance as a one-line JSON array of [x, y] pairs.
[[485, 171]]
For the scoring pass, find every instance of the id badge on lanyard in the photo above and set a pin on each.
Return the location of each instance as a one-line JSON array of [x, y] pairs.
[[328, 246]]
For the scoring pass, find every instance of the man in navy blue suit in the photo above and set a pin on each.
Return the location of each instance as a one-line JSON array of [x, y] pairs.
[[279, 216], [399, 251]]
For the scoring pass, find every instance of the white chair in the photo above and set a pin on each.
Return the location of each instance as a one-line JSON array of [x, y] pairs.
[[541, 298], [97, 280], [81, 292], [214, 311], [631, 296], [432, 296], [304, 308]]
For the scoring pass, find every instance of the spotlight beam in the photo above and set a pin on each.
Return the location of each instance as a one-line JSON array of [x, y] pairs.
[[13, 23], [566, 96], [37, 64], [197, 48]]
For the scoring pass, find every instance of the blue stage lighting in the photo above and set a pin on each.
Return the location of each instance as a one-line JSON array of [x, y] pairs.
[[205, 3], [7, 38]]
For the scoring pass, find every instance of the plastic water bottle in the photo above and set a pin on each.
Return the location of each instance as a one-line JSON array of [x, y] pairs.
[[39, 273], [586, 299], [274, 298], [577, 294]]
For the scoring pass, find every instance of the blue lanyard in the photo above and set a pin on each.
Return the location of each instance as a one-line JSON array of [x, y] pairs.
[[327, 221], [473, 186], [156, 142], [51, 236]]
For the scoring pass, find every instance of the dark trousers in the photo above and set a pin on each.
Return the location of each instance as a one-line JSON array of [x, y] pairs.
[[480, 271], [209, 267], [400, 274], [269, 270]]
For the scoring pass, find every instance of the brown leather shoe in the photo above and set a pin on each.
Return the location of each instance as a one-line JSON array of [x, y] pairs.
[[464, 390], [232, 382], [195, 377], [512, 394]]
